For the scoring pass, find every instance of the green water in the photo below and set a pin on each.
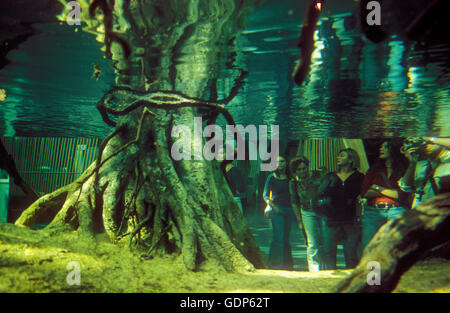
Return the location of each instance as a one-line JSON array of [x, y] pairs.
[[356, 88]]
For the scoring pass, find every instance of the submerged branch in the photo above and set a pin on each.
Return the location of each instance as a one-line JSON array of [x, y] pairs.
[[160, 99], [306, 41]]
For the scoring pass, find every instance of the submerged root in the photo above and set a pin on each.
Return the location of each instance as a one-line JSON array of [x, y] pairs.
[[53, 202], [139, 197], [133, 214]]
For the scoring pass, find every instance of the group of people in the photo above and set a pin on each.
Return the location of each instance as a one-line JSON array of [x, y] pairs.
[[347, 207]]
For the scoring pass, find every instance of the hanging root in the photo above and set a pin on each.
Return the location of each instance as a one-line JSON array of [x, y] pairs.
[[164, 99], [138, 227]]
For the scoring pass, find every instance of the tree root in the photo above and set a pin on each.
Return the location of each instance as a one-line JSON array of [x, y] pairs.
[[141, 197], [151, 208], [160, 99], [399, 244]]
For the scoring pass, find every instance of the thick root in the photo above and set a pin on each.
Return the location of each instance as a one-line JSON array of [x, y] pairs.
[[227, 253], [49, 202], [143, 198], [399, 244]]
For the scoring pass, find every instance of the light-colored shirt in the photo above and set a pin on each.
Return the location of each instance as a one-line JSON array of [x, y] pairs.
[[442, 170]]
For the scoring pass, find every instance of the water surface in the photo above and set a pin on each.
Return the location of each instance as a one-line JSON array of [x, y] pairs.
[[355, 89]]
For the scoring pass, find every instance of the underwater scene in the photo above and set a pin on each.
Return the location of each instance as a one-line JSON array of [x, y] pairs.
[[218, 147]]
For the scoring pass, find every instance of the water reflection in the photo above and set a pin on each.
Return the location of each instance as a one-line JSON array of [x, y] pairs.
[[355, 88], [50, 87]]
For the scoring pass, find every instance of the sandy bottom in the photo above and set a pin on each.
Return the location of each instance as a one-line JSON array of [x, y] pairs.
[[31, 261]]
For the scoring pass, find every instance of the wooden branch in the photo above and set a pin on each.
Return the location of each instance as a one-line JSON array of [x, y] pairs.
[[161, 99], [399, 244], [306, 40]]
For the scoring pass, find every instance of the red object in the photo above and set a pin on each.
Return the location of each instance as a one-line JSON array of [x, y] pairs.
[[374, 177]]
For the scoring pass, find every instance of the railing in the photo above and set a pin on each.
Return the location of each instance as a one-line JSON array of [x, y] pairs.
[[322, 153], [49, 163]]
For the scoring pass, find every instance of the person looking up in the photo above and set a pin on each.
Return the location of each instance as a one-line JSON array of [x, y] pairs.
[[385, 199], [428, 173], [339, 191]]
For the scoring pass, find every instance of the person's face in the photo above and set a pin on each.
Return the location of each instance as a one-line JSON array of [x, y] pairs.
[[302, 170], [343, 159], [384, 151], [281, 164]]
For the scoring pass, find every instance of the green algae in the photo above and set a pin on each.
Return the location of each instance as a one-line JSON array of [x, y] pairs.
[[35, 261]]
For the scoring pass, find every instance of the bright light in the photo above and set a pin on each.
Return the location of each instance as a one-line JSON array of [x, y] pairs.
[[2, 95], [319, 6]]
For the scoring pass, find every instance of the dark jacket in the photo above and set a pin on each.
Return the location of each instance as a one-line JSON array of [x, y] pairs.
[[340, 196]]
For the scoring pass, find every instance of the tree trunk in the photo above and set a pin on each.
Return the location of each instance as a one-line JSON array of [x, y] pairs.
[[135, 190]]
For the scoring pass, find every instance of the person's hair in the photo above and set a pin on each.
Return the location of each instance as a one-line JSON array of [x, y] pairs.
[[286, 169], [399, 161], [224, 164], [353, 155], [295, 163], [283, 156]]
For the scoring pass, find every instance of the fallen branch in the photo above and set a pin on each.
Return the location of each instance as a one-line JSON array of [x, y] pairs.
[[399, 244]]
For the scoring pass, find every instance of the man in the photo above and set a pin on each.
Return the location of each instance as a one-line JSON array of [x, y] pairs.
[[428, 173]]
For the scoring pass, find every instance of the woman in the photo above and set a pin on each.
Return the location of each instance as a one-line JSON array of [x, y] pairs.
[[385, 199], [340, 222], [302, 187], [276, 194]]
